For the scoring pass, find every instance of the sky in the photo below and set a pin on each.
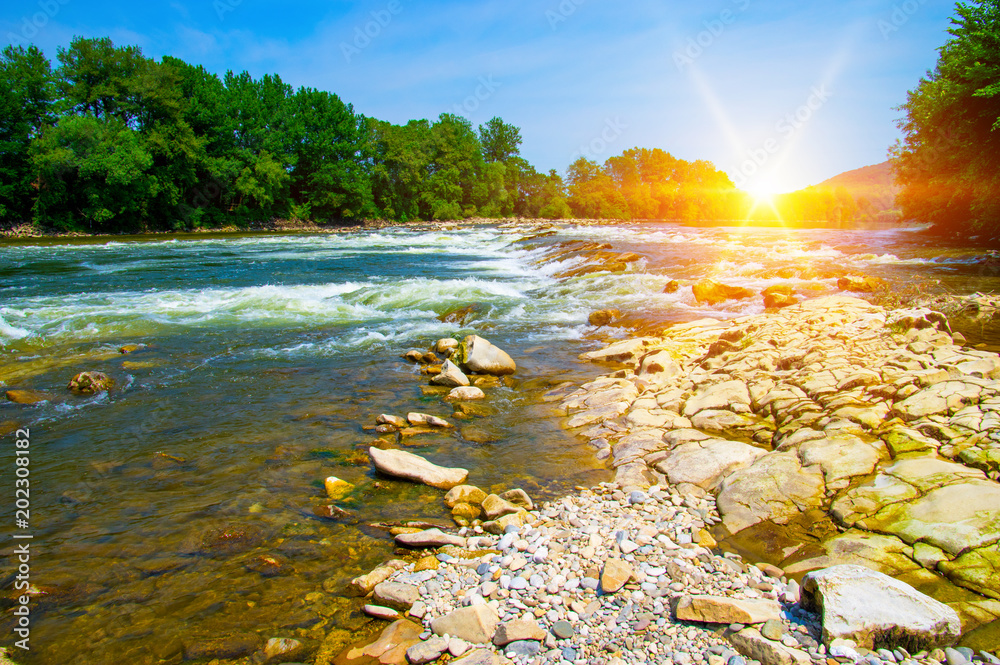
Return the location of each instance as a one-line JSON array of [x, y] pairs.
[[780, 94]]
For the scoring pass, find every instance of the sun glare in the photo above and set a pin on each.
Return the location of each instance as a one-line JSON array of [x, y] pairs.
[[763, 195]]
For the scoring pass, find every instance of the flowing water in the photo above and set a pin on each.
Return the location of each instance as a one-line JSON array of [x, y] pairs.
[[189, 501]]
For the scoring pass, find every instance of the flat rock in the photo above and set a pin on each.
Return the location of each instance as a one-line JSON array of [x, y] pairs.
[[495, 507], [481, 657], [750, 643], [615, 575], [720, 609], [363, 585], [520, 629], [706, 463], [842, 456], [867, 607], [402, 464], [476, 624], [718, 396], [429, 538], [396, 595], [775, 487], [392, 643], [427, 652]]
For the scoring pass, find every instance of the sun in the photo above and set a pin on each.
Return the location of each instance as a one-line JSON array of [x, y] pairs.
[[763, 194]]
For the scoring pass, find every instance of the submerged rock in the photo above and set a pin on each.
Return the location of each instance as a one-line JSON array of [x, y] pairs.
[[401, 464], [27, 396]]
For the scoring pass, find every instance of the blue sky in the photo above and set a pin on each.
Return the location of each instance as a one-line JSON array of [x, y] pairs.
[[779, 94]]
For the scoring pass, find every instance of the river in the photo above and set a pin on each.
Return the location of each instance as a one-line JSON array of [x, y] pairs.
[[158, 510]]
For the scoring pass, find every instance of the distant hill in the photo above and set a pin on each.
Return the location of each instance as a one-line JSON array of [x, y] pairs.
[[874, 190]]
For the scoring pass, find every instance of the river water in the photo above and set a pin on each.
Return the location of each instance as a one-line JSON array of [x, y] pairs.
[[188, 503]]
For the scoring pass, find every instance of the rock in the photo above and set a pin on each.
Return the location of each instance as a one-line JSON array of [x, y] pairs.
[[365, 584], [426, 652], [723, 395], [750, 643], [495, 507], [465, 394], [269, 565], [521, 629], [283, 650], [622, 351], [429, 538], [89, 383], [391, 645], [523, 649], [706, 463], [401, 464], [481, 657], [775, 487], [518, 497], [336, 488], [869, 607], [481, 357], [615, 575], [672, 286], [712, 292], [461, 314], [476, 624], [603, 317], [395, 421], [466, 512], [232, 538], [396, 595], [717, 609], [418, 419], [860, 284], [414, 356], [563, 630], [380, 612], [772, 629], [450, 375], [228, 647], [27, 396], [778, 300], [446, 346], [464, 494]]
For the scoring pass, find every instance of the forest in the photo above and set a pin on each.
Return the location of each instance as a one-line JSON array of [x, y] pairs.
[[948, 162], [108, 140]]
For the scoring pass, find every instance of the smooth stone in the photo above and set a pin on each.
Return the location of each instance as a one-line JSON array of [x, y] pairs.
[[518, 630], [563, 630], [426, 652], [719, 609], [451, 376], [429, 538], [615, 574], [482, 357], [396, 595], [402, 464]]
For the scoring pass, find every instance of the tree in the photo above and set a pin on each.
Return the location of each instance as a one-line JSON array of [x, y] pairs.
[[948, 162], [27, 95], [500, 141]]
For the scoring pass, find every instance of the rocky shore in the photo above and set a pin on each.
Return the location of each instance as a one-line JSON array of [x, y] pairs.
[[877, 427]]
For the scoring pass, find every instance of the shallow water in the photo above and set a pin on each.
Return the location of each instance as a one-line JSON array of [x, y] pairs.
[[265, 359]]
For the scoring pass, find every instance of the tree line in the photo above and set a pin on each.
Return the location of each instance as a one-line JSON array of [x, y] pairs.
[[948, 162], [108, 140]]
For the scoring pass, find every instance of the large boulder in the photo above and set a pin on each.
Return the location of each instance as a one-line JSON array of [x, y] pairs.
[[401, 464], [712, 292], [875, 610], [479, 356]]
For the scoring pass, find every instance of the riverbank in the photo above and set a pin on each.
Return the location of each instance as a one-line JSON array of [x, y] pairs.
[[821, 435]]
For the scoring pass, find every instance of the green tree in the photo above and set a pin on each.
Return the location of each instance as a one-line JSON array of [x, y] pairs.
[[27, 95], [948, 161], [501, 141]]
